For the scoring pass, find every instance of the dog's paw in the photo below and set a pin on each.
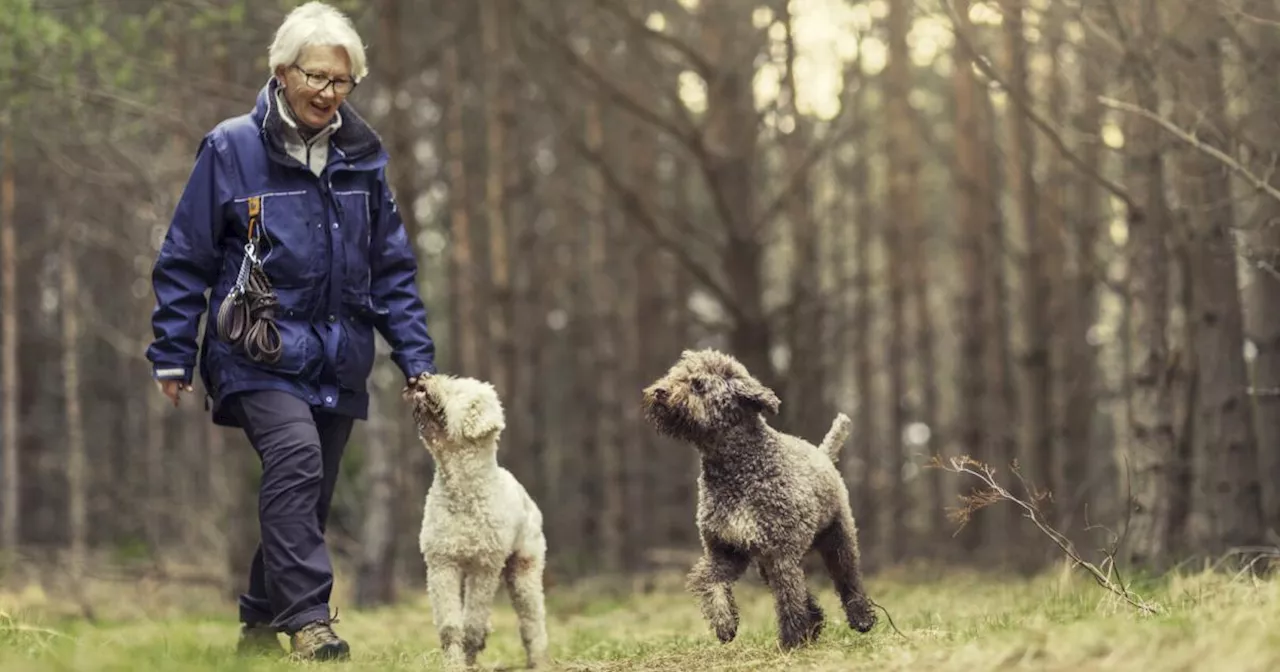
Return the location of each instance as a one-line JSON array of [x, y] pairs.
[[414, 387], [817, 619], [861, 616], [802, 627], [726, 631]]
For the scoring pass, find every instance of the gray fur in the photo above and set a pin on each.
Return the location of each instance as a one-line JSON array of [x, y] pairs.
[[763, 496]]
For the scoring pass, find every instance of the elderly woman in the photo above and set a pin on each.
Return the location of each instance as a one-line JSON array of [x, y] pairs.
[[288, 219]]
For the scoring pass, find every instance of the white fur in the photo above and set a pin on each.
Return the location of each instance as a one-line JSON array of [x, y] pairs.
[[317, 24], [479, 525]]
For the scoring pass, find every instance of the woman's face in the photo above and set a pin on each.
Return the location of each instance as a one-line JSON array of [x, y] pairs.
[[316, 84]]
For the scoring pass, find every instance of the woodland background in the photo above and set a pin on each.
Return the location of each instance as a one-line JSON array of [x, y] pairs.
[[1033, 231]]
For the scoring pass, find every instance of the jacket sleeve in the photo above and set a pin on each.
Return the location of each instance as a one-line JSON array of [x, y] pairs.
[[187, 265], [400, 312]]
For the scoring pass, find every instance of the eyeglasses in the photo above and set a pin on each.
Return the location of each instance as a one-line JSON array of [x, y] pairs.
[[320, 82]]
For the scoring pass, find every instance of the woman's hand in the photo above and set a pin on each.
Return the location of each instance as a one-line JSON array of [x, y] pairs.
[[173, 388]]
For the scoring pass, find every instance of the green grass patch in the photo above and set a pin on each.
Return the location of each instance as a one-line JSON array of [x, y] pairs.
[[962, 622]]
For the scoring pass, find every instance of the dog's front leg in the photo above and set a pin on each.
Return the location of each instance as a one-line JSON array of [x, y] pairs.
[[481, 587], [711, 579], [444, 589], [799, 617]]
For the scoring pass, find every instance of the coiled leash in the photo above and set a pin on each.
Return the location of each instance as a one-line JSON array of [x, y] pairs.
[[247, 316]]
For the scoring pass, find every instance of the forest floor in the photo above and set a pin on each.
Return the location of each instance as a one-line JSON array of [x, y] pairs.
[[1057, 621]]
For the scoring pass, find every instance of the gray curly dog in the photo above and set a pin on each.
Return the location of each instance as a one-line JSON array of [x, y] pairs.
[[763, 496]]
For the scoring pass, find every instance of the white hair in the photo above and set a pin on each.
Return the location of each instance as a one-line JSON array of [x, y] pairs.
[[316, 24]]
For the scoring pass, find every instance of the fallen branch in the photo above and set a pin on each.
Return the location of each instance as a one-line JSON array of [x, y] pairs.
[[10, 625], [994, 492]]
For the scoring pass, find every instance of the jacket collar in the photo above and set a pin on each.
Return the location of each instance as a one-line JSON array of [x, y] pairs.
[[353, 141]]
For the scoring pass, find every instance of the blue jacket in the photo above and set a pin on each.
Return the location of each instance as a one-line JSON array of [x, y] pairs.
[[335, 251]]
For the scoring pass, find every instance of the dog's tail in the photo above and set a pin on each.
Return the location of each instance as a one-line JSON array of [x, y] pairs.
[[836, 436]]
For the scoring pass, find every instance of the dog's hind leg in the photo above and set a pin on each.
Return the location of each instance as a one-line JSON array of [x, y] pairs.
[[711, 579], [838, 546], [523, 577], [444, 588], [481, 585]]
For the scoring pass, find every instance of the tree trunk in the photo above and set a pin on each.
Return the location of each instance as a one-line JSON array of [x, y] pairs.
[[868, 477], [467, 334], [1002, 528], [11, 500], [1227, 490], [806, 413], [607, 439], [901, 208], [397, 127], [972, 185], [77, 476], [642, 297], [1033, 376], [1151, 416], [1261, 239], [1087, 470], [729, 42], [497, 108], [1060, 478], [374, 583], [218, 472]]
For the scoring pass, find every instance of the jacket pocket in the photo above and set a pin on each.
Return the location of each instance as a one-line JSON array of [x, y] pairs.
[[355, 212], [292, 242], [299, 344]]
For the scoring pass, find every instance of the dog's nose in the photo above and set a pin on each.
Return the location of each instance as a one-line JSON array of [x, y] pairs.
[[660, 393]]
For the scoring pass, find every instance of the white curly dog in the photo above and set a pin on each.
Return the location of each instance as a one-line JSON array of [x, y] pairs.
[[479, 525]]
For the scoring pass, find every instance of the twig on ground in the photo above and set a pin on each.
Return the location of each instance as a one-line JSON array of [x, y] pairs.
[[994, 492], [1259, 553], [10, 624], [888, 617]]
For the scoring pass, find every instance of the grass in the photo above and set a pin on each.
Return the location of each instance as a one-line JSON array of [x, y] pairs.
[[962, 622]]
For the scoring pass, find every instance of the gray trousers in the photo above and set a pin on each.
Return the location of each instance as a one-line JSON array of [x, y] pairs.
[[291, 576]]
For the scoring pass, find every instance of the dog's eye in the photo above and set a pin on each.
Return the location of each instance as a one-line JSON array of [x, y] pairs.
[[699, 385]]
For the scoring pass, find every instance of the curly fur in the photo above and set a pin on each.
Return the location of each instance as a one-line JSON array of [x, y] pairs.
[[480, 528], [763, 496]]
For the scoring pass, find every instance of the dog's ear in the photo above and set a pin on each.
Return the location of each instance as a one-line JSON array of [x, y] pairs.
[[481, 420], [752, 393]]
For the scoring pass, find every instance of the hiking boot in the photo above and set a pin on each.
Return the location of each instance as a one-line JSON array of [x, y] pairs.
[[258, 640], [317, 641]]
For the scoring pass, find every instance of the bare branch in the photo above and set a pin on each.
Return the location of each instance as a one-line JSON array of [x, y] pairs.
[[120, 101], [1254, 180], [815, 153], [1239, 10], [699, 62], [614, 93], [1054, 137], [633, 204]]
